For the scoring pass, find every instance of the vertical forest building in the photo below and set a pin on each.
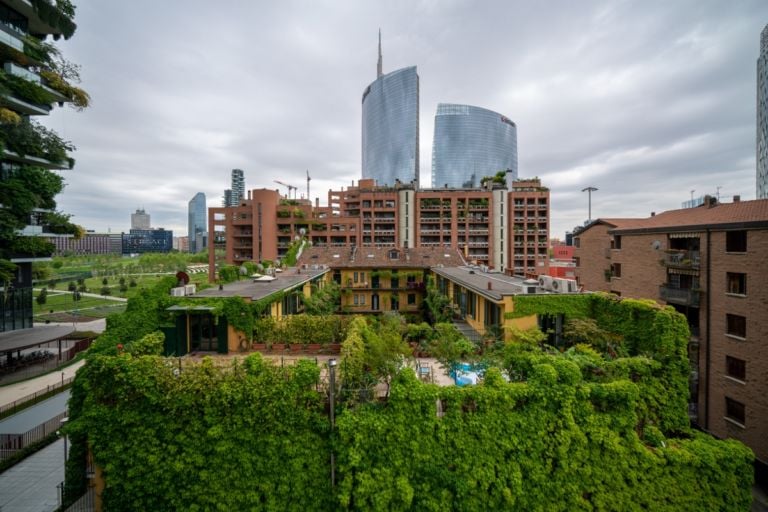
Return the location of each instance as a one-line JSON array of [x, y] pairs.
[[33, 79]]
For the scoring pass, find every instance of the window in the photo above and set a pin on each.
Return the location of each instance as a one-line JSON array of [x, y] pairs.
[[411, 299], [736, 325], [617, 242], [616, 269], [736, 241], [736, 283], [577, 261], [355, 277], [735, 411], [356, 300], [736, 368], [577, 242]]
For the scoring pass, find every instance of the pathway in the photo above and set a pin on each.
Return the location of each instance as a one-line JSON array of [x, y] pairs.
[[31, 485]]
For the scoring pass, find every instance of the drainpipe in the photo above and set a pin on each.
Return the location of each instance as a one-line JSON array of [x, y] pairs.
[[709, 335]]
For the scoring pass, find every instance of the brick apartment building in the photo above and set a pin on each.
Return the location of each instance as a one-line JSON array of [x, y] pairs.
[[505, 227], [709, 263]]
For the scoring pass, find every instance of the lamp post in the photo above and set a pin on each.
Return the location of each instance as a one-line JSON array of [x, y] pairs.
[[332, 383], [589, 191]]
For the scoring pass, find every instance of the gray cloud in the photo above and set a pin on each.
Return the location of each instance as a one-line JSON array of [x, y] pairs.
[[644, 100]]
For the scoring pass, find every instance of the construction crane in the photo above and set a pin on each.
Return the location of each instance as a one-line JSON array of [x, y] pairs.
[[290, 187], [308, 180]]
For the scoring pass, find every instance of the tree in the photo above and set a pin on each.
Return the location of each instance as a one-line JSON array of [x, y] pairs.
[[105, 281], [71, 286], [105, 290], [450, 347], [437, 304], [132, 284], [52, 284], [323, 301], [42, 297]]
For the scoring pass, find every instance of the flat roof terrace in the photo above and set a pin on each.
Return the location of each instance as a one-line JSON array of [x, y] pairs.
[[257, 289]]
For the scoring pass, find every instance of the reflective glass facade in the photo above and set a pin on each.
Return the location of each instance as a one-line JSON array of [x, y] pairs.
[[391, 128], [197, 223], [469, 143], [762, 117]]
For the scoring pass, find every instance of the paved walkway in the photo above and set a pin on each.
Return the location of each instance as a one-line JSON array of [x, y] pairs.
[[30, 485]]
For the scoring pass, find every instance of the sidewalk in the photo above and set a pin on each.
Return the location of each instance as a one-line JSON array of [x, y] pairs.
[[30, 485]]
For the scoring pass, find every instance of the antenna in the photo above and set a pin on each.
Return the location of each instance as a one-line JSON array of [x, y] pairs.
[[308, 180], [589, 190], [718, 193], [379, 63]]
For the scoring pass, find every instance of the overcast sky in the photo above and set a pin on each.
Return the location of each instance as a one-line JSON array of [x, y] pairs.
[[645, 100]]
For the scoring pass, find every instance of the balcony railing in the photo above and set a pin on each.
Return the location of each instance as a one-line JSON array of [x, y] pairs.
[[682, 296], [683, 259]]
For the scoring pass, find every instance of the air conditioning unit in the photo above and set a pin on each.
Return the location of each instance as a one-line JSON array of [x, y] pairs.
[[190, 289], [177, 292], [561, 285], [546, 282]]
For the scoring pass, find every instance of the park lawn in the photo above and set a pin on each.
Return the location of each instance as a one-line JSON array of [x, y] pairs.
[[62, 301]]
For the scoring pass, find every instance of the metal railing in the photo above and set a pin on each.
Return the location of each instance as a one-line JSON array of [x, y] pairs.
[[12, 443], [16, 405]]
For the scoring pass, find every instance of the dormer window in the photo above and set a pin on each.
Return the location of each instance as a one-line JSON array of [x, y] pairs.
[[394, 254]]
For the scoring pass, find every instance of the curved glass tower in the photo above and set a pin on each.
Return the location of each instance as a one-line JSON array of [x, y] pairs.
[[469, 143], [391, 128]]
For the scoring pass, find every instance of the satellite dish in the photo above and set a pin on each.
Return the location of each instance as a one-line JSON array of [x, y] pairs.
[[182, 277], [656, 245]]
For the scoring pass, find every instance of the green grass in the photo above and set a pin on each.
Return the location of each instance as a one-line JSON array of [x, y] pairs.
[[58, 301]]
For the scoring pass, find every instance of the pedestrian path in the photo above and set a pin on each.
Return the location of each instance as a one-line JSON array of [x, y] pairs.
[[31, 485]]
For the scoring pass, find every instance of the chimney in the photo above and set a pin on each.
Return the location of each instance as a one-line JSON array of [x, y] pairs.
[[653, 214], [317, 202], [490, 285], [736, 199]]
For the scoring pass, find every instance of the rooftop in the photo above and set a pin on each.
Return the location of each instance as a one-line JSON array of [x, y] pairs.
[[380, 257], [739, 214], [257, 290], [492, 285]]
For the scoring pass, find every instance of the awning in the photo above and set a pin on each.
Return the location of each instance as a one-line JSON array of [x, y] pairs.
[[685, 235]]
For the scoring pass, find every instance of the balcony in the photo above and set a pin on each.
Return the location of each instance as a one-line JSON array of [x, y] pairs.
[[681, 296], [682, 259]]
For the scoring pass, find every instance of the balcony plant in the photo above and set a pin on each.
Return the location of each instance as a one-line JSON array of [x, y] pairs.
[[32, 139]]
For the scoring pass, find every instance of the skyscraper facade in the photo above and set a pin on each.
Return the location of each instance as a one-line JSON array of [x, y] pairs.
[[140, 219], [762, 117], [470, 143], [390, 127], [197, 223], [238, 186]]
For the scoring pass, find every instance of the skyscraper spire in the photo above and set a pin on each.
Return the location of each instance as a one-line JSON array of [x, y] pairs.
[[378, 65]]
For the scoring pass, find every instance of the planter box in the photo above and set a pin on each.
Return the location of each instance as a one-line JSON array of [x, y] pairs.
[[297, 348], [260, 347], [314, 348], [333, 348], [278, 347]]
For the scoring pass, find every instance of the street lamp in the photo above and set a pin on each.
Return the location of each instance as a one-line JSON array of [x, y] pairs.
[[332, 383], [589, 190]]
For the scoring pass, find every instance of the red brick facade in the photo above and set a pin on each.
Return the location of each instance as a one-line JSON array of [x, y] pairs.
[[709, 264]]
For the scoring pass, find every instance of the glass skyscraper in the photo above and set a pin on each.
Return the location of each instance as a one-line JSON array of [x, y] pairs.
[[197, 224], [391, 127], [470, 143], [762, 117]]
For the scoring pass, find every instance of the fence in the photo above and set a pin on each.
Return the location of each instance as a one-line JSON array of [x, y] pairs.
[[85, 503], [16, 405], [12, 443]]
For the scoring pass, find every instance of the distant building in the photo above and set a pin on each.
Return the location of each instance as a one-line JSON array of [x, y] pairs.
[[140, 220], [238, 187], [236, 192], [197, 224], [708, 263], [181, 243], [470, 143], [505, 227], [139, 241], [390, 127], [89, 243], [762, 117]]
